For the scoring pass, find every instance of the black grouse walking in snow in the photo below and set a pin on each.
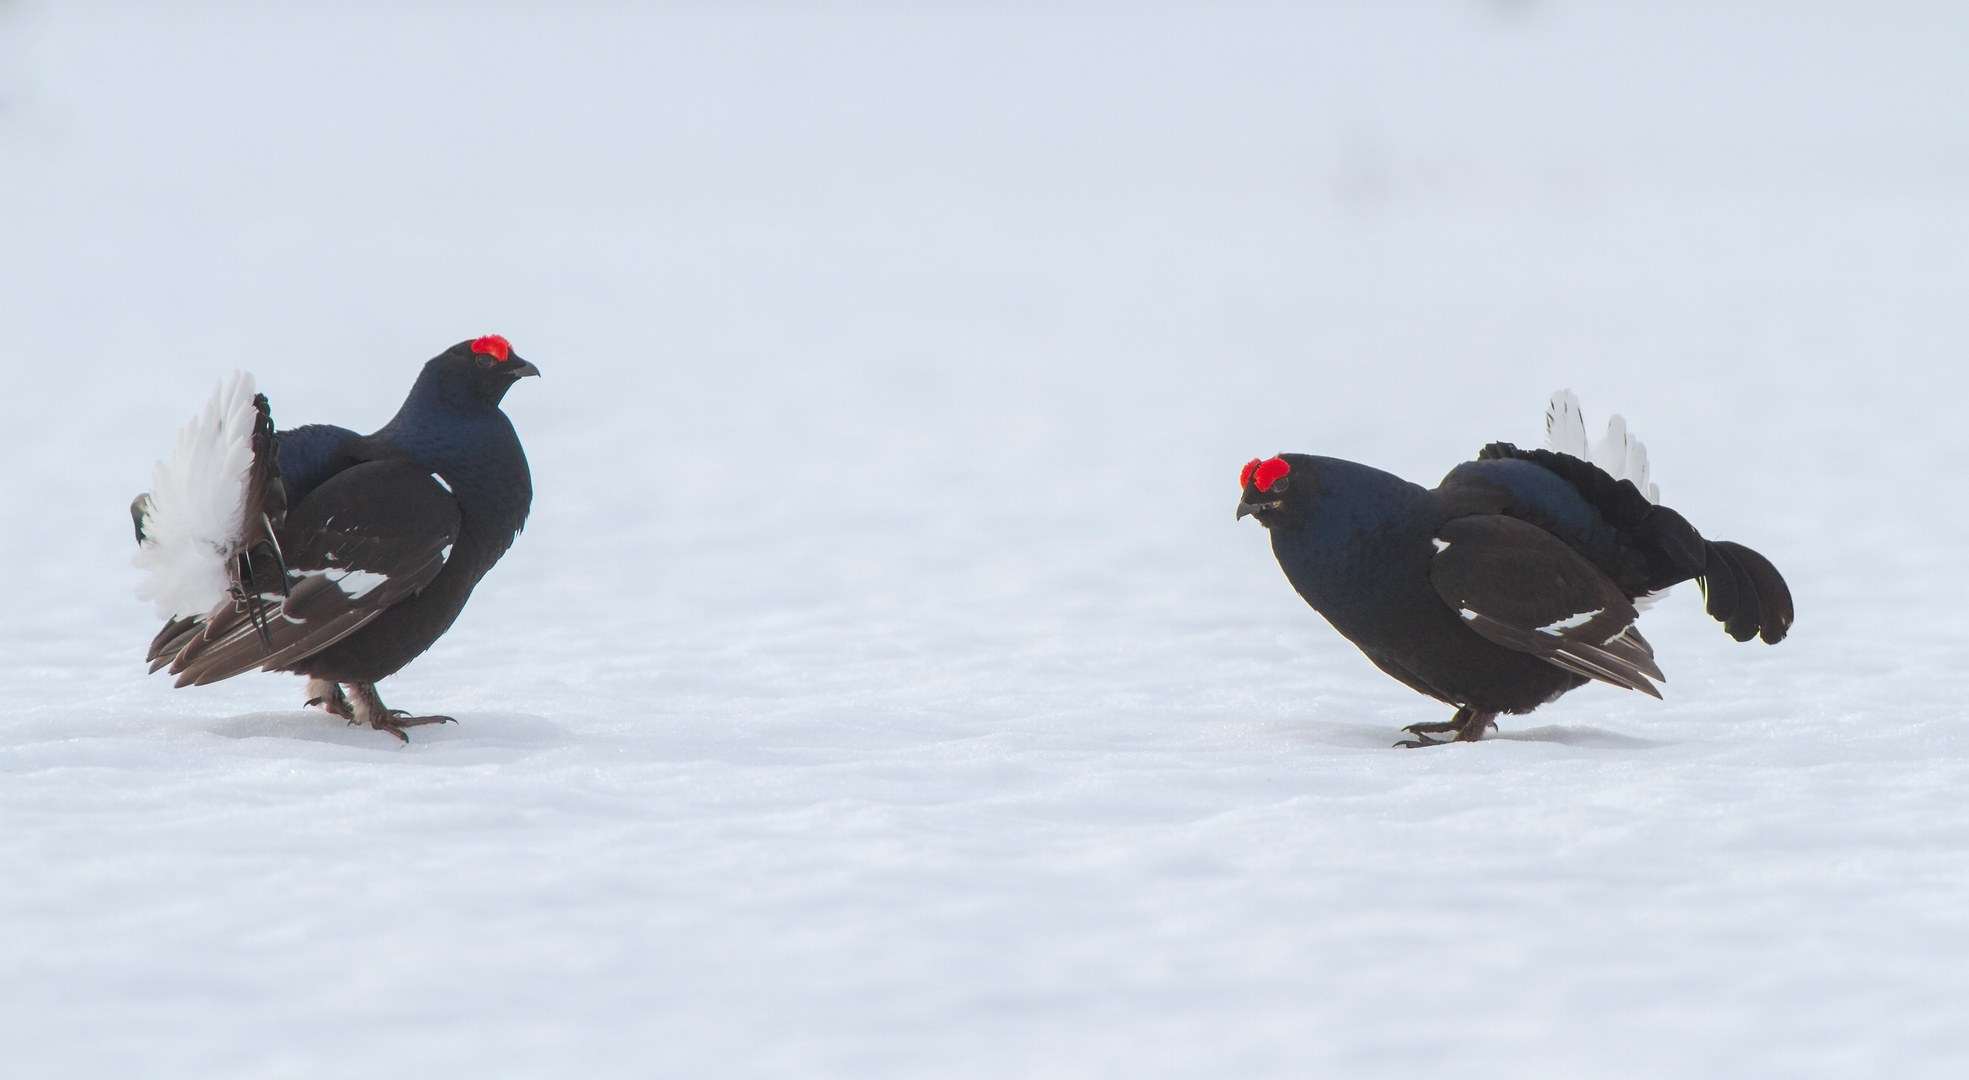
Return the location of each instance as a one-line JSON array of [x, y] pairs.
[[330, 554], [1512, 581]]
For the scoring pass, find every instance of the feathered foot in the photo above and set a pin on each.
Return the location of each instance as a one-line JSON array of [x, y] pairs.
[[369, 709], [1468, 723]]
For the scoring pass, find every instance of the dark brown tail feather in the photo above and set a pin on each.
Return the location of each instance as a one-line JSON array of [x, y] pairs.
[[1745, 593]]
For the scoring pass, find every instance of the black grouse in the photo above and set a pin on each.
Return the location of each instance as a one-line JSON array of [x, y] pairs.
[[330, 554], [1512, 581]]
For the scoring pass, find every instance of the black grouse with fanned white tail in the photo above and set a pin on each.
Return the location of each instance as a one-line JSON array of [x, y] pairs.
[[1516, 579], [330, 554]]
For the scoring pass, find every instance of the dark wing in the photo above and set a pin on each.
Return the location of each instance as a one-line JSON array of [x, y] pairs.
[[364, 539], [1523, 588]]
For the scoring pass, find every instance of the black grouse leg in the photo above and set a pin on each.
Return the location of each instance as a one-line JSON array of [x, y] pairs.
[[1475, 724], [369, 709], [329, 696], [1468, 723]]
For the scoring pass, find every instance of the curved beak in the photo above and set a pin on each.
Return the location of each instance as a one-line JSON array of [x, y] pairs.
[[521, 369], [1244, 508]]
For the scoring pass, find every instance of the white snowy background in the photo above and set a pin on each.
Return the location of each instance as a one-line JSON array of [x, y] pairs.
[[882, 687]]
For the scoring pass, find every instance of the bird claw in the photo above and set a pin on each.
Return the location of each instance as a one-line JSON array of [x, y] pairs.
[[361, 707], [397, 720], [403, 719], [1469, 725], [1422, 733]]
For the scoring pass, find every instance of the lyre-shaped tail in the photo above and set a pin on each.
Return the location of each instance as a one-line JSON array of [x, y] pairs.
[[207, 530]]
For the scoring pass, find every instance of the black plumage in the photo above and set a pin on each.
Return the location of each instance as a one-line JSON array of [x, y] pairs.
[[361, 550], [1508, 584]]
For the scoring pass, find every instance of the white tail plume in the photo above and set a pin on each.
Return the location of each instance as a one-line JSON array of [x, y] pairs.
[[194, 516], [1619, 454]]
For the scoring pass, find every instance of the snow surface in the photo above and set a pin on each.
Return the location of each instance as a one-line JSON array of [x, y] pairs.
[[882, 687]]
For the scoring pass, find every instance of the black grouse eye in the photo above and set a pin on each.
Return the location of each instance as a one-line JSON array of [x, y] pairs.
[[1281, 484], [484, 360]]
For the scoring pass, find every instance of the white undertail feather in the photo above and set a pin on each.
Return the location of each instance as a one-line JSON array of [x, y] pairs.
[[1565, 426], [1619, 453], [197, 506]]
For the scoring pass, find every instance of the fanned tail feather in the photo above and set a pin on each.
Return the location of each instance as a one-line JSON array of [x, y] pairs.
[[206, 531], [1565, 426], [1744, 592], [1624, 458], [192, 521], [1740, 588]]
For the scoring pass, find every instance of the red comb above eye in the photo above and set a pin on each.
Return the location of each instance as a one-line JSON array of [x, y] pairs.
[[1269, 472], [494, 346], [1244, 478]]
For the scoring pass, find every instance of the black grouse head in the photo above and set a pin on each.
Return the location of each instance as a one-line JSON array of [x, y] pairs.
[[478, 371], [1275, 492]]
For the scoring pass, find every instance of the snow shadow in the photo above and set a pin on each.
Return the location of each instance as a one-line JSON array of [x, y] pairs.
[[1591, 738], [1353, 736], [1378, 737], [473, 731]]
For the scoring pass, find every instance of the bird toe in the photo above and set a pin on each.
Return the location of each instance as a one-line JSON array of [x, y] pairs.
[[1420, 741], [403, 719]]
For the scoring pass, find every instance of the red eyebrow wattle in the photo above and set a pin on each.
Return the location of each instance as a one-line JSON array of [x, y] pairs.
[[1244, 478], [494, 346], [1269, 472]]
